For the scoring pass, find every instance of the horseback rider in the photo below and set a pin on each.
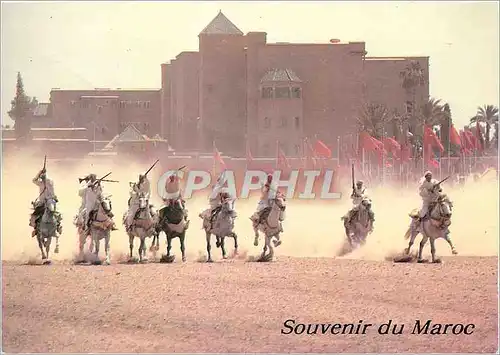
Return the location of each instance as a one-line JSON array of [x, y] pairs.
[[429, 192], [142, 187], [85, 183], [216, 198], [173, 192], [359, 193], [46, 192], [269, 192], [94, 188]]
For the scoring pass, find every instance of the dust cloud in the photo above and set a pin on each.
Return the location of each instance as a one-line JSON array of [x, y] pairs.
[[311, 229]]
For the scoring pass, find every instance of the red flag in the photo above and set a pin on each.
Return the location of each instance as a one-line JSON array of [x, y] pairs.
[[391, 145], [218, 160], [368, 143], [430, 138], [471, 135], [310, 155], [321, 149], [430, 157], [281, 159], [479, 136], [454, 136]]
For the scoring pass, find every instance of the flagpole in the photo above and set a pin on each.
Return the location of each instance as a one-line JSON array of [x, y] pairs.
[[338, 150], [214, 150], [277, 154]]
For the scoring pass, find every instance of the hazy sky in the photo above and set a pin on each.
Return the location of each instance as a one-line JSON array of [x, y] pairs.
[[121, 44]]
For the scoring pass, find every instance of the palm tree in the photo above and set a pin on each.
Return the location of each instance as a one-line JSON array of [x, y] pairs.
[[413, 76], [373, 119], [431, 113], [488, 114]]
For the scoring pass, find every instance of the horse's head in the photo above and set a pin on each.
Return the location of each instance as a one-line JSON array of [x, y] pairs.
[[445, 206], [143, 201], [280, 201], [106, 203], [366, 203], [50, 205], [227, 204]]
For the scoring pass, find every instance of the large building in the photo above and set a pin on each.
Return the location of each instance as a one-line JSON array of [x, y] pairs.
[[238, 88]]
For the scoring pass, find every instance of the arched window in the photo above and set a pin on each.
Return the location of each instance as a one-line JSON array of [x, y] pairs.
[[297, 122]]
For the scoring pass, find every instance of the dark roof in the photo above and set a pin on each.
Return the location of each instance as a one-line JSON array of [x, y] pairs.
[[282, 75], [221, 25]]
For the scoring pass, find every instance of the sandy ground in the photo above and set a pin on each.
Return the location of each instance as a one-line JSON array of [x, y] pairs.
[[240, 306]]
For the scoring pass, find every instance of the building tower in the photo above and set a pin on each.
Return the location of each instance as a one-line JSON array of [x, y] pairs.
[[222, 86]]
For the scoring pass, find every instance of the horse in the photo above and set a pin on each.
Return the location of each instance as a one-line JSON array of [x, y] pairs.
[[431, 228], [173, 222], [144, 226], [100, 227], [270, 224], [222, 226], [47, 228], [358, 226]]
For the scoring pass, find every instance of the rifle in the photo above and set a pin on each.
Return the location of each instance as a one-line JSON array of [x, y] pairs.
[[151, 168], [101, 179], [439, 183], [352, 176]]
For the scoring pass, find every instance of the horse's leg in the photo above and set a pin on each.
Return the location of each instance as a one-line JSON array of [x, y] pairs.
[[209, 247], [271, 249], [141, 244], [92, 243], [235, 236], [413, 235], [223, 247], [97, 246], [39, 238], [277, 241], [169, 244], [152, 247], [217, 241], [107, 248], [56, 250], [131, 245], [433, 250], [47, 245], [142, 249], [448, 239], [157, 247], [182, 237], [266, 242], [422, 244]]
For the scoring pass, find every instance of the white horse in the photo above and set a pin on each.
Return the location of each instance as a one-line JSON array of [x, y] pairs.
[[431, 228], [270, 224], [47, 228], [100, 227], [220, 224], [358, 226], [143, 226]]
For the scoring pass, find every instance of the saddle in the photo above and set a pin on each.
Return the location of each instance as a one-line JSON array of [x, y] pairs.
[[264, 214], [214, 213]]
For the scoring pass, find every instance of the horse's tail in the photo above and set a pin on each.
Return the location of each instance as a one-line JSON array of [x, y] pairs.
[[408, 233]]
